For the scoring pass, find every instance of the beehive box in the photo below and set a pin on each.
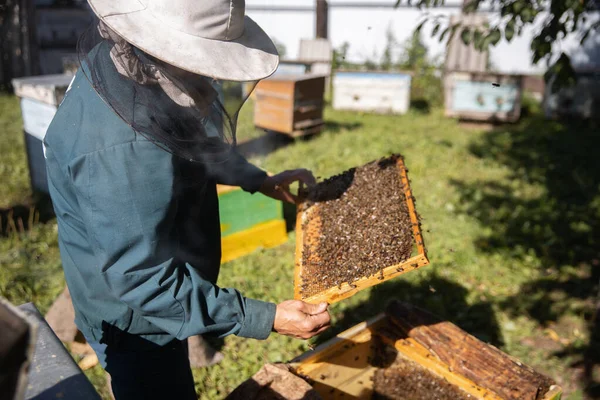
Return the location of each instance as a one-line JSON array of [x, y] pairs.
[[40, 97], [290, 103], [483, 96], [407, 350], [581, 100], [380, 92], [248, 222], [356, 230]]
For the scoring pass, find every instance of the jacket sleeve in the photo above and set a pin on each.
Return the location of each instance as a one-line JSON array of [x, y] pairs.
[[235, 170], [126, 196]]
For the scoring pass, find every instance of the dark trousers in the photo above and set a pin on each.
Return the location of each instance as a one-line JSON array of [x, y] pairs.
[[142, 370]]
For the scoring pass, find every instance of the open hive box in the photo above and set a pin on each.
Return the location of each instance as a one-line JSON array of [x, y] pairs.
[[409, 354], [356, 230]]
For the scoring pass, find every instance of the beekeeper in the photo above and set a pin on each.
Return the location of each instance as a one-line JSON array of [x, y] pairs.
[[145, 133]]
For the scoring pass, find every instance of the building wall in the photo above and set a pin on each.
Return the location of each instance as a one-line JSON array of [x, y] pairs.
[[365, 30]]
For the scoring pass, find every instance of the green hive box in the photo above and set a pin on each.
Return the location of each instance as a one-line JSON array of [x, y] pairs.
[[248, 222]]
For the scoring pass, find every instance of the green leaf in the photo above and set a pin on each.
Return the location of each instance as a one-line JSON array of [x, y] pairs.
[[419, 27], [478, 39], [397, 3], [471, 6], [563, 72], [527, 15], [444, 33], [509, 31], [495, 36], [435, 29], [465, 36], [518, 6]]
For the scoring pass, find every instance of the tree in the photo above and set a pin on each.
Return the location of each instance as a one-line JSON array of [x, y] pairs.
[[339, 56], [387, 59], [426, 85], [564, 17], [281, 49], [414, 52]]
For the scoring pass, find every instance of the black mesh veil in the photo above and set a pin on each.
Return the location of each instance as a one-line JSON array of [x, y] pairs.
[[191, 116]]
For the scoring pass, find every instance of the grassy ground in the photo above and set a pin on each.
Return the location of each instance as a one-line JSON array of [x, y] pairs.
[[511, 222]]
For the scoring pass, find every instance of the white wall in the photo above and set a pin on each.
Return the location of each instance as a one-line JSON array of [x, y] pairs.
[[365, 30]]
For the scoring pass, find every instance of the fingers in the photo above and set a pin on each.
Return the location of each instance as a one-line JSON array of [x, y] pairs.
[[319, 321], [313, 309], [303, 175], [301, 320], [286, 194]]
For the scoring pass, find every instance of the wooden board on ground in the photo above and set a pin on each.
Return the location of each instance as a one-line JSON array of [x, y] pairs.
[[307, 232], [343, 366]]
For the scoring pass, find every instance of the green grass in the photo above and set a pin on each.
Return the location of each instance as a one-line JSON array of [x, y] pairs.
[[511, 220]]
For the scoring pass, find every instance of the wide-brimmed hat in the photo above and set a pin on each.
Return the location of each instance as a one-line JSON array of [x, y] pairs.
[[208, 37]]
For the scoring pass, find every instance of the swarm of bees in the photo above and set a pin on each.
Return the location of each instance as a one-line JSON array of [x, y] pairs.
[[365, 226]]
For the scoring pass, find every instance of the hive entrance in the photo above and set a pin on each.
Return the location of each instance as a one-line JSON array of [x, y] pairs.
[[355, 230]]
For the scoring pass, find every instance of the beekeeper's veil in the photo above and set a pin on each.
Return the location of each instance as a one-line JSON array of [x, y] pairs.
[[187, 114]]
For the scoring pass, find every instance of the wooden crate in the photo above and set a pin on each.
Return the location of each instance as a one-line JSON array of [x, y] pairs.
[[342, 367], [345, 290], [483, 96], [290, 103], [248, 222], [380, 92]]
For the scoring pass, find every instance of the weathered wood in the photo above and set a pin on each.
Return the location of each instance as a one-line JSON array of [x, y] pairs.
[[345, 290], [345, 364], [61, 317], [341, 367], [322, 22], [274, 382], [466, 355], [462, 57], [289, 103]]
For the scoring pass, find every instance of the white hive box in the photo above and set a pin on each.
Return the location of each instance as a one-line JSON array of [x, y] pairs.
[[378, 92], [40, 97]]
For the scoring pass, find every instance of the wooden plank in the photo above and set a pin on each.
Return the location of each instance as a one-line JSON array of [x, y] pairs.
[[345, 290], [466, 355]]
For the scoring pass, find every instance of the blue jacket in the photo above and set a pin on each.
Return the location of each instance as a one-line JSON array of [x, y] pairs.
[[139, 230]]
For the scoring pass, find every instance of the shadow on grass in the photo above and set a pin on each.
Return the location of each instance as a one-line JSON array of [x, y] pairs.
[[20, 218], [440, 296], [550, 207], [337, 126], [264, 145]]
